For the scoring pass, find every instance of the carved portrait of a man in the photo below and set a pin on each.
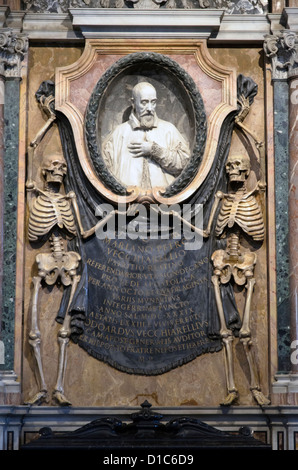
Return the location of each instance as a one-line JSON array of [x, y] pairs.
[[145, 151]]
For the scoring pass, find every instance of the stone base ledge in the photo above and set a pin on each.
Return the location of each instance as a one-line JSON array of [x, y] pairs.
[[10, 388], [285, 389], [22, 423], [285, 383]]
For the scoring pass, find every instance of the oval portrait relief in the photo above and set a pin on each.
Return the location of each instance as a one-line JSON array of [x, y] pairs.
[[146, 125]]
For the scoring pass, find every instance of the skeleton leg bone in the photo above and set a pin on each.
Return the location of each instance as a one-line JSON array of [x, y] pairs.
[[227, 339], [34, 341], [245, 339], [63, 340]]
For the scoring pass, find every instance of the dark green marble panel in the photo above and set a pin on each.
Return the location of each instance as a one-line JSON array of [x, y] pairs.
[[11, 145], [281, 148]]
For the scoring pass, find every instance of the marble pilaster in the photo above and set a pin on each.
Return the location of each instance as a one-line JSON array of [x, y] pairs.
[[293, 207], [281, 213], [12, 49], [1, 205], [279, 49], [11, 137]]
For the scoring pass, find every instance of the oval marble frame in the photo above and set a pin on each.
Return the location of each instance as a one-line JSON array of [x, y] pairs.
[[184, 80]]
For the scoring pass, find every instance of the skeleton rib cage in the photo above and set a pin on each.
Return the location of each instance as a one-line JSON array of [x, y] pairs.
[[47, 211], [243, 211]]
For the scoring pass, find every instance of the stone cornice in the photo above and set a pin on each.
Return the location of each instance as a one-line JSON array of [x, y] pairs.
[[216, 25], [115, 23], [242, 29], [290, 19]]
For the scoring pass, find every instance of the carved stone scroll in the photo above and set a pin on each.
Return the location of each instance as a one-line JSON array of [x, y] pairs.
[[281, 49], [12, 50]]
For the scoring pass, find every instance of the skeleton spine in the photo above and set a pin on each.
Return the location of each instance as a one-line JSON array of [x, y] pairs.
[[57, 245]]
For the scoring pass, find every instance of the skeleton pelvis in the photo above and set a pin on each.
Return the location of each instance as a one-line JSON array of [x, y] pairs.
[[50, 267], [240, 269]]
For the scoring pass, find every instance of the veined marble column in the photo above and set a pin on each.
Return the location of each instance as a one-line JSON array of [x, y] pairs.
[[2, 85], [12, 49], [293, 208], [279, 48]]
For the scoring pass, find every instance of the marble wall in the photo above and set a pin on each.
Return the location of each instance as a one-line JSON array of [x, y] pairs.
[[92, 383]]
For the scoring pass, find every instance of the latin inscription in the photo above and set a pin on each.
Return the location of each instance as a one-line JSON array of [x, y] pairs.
[[148, 301]]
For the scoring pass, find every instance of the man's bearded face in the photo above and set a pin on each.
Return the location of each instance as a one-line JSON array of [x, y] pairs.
[[144, 106]]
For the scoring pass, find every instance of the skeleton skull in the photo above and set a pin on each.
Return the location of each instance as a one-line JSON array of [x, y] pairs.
[[54, 168], [238, 167]]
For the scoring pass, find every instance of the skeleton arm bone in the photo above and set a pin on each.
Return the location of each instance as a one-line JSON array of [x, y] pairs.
[[100, 223], [218, 197], [31, 187], [260, 147], [205, 233], [260, 186], [85, 233], [36, 141], [176, 214]]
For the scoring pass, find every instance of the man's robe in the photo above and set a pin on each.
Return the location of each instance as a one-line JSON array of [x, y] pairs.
[[170, 154]]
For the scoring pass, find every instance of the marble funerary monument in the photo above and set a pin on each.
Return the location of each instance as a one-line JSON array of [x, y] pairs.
[[148, 252]]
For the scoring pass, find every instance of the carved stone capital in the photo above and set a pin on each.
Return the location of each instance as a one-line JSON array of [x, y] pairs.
[[281, 48], [13, 48]]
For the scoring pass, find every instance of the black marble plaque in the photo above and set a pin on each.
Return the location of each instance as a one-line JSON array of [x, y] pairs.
[[147, 304]]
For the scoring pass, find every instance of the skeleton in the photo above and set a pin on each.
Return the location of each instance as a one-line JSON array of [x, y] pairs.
[[51, 214], [239, 212]]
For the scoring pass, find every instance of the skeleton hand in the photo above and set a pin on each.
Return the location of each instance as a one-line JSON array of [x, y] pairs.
[[206, 233]]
